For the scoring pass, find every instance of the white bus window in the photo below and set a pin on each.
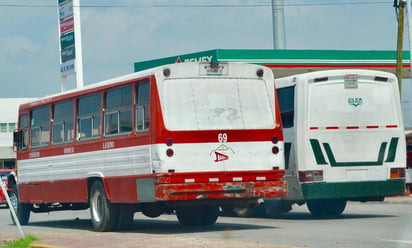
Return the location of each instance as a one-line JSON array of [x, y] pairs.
[[332, 104], [39, 125], [286, 98], [62, 127], [142, 106], [212, 104], [118, 115], [88, 117]]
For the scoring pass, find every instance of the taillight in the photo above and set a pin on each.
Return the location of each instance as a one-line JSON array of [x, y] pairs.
[[397, 173], [169, 152], [310, 176], [169, 143], [275, 149]]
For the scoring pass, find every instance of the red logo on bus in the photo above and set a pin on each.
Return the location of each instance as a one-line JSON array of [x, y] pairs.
[[220, 157]]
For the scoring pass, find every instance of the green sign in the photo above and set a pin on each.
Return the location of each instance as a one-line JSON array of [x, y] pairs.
[[63, 1], [68, 54], [67, 40]]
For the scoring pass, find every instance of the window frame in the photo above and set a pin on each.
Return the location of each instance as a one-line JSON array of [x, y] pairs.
[[118, 110], [93, 116], [142, 109], [63, 123], [41, 144]]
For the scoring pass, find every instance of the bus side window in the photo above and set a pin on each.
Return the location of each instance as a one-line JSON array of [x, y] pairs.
[[40, 127], [88, 117], [286, 98], [62, 127], [142, 107], [118, 111]]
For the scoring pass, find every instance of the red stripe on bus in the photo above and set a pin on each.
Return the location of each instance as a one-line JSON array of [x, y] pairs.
[[352, 127], [332, 127], [314, 128], [391, 126], [372, 126]]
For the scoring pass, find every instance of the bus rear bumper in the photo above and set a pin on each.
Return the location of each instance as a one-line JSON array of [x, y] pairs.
[[220, 190], [353, 190]]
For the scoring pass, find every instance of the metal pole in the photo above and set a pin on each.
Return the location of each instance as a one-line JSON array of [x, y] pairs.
[[408, 10], [401, 10], [78, 42], [16, 220], [278, 23]]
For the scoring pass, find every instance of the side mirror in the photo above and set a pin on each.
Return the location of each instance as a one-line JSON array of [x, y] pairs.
[[18, 139]]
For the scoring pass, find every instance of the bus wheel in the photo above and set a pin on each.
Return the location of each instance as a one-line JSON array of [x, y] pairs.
[[125, 219], [103, 213], [22, 210], [210, 215], [190, 215], [326, 207]]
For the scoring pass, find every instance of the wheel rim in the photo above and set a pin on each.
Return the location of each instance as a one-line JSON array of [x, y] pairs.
[[97, 206], [14, 201]]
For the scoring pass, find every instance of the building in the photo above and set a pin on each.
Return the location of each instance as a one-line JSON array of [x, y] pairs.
[[8, 122]]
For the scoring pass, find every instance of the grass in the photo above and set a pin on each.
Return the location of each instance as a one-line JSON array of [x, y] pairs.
[[21, 243]]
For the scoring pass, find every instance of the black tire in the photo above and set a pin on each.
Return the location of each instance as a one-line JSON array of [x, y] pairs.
[[210, 215], [103, 213], [190, 215], [275, 208], [22, 210], [326, 208], [125, 218]]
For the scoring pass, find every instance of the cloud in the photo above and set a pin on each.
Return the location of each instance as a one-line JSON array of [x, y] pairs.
[[15, 48]]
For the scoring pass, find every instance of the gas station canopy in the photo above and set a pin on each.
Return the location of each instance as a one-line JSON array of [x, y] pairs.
[[290, 62]]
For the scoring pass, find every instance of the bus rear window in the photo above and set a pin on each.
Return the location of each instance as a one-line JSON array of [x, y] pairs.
[[369, 104], [212, 104]]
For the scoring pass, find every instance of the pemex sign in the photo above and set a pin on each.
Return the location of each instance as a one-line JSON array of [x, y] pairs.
[[67, 39]]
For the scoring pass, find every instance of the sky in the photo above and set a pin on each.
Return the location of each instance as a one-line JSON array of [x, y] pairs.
[[117, 33]]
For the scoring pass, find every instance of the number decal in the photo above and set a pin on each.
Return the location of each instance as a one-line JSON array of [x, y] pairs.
[[222, 137]]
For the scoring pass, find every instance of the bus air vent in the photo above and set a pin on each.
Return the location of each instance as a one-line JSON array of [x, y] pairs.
[[381, 79], [322, 79]]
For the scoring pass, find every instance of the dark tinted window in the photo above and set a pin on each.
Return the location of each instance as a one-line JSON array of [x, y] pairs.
[[286, 98]]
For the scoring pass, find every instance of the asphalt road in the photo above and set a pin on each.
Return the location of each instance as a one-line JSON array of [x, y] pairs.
[[385, 224]]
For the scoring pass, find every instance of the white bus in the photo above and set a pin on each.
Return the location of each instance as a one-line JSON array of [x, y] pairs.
[[344, 139]]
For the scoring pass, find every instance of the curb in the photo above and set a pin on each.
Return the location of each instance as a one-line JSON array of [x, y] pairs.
[[43, 246]]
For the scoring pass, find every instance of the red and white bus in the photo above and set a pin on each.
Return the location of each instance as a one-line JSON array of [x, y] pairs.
[[185, 137]]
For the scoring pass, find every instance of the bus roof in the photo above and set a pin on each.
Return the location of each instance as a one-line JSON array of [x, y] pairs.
[[291, 80]]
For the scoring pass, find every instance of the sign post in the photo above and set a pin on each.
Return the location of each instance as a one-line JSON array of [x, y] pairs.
[[70, 42], [16, 220]]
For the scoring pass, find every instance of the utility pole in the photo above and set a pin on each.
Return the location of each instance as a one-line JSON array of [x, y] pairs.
[[409, 20], [401, 11], [278, 23]]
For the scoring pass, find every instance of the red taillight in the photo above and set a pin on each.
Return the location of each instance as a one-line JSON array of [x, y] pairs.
[[275, 139], [397, 173], [311, 176], [275, 150], [169, 141], [169, 152]]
